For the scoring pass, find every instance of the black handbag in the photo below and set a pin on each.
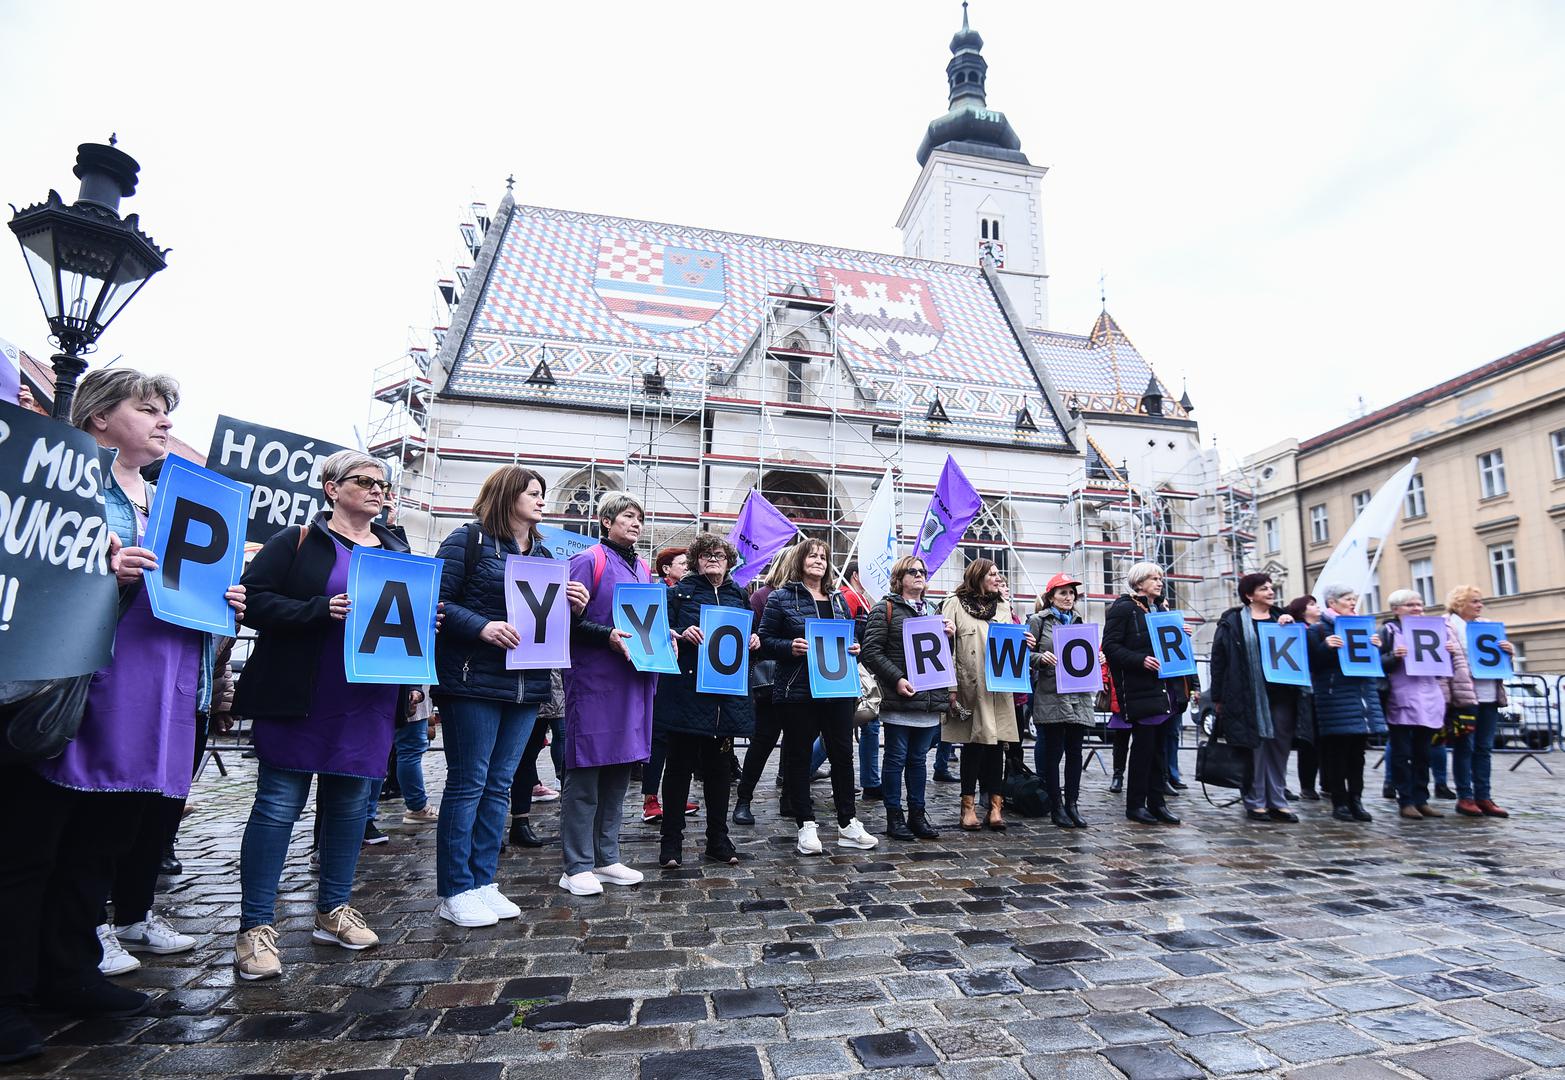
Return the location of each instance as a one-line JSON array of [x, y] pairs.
[[1222, 764]]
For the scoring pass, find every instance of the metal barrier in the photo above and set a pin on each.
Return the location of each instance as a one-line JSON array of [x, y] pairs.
[[1530, 722]]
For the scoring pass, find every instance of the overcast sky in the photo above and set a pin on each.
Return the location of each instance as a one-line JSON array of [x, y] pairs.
[[1295, 206]]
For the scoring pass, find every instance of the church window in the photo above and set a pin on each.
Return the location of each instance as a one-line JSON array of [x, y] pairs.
[[989, 228]]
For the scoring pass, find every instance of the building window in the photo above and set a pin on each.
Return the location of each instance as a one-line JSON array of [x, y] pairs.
[[1502, 569], [1320, 529], [1491, 474], [1360, 500], [1519, 657], [1557, 445], [1423, 573], [988, 228], [1271, 533], [1414, 505], [1369, 603]]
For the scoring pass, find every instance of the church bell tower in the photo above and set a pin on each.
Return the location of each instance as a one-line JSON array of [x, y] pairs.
[[977, 195]]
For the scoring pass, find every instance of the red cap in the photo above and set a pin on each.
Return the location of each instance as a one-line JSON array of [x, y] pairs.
[[1059, 581]]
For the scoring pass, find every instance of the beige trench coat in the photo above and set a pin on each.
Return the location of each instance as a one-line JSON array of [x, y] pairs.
[[994, 714]]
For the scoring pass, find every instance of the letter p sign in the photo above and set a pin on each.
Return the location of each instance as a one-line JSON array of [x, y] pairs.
[[196, 530]]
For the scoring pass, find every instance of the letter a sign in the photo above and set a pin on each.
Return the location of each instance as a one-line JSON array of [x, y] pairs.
[[535, 604], [390, 633]]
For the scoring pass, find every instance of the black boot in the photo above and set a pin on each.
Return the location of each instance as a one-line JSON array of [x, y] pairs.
[[1117, 785], [742, 813], [918, 822], [1359, 813], [522, 834], [1059, 815], [1341, 809], [896, 825], [19, 1040], [1076, 819], [169, 864]]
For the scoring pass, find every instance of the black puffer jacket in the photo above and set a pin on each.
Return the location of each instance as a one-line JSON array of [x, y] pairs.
[[782, 620], [1126, 643], [1232, 689], [466, 665], [679, 706], [885, 658]]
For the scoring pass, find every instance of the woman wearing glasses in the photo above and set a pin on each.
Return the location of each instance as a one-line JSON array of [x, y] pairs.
[[910, 718], [309, 720]]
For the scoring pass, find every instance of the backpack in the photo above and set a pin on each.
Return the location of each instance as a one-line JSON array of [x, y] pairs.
[[600, 560]]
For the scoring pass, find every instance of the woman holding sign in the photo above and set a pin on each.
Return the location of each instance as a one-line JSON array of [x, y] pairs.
[[309, 719], [1061, 719], [910, 718], [1417, 705], [488, 709], [1146, 698], [784, 625], [982, 720], [700, 726], [1471, 753], [1254, 712], [1347, 706]]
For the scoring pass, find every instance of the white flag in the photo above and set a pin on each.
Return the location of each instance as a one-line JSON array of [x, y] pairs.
[[877, 542], [1350, 563]]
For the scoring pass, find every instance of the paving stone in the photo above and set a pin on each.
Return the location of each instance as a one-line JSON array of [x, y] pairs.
[[394, 1024], [1276, 1009], [679, 1009], [478, 1019], [961, 1041], [737, 1004], [931, 960], [549, 988], [835, 994], [369, 1074], [782, 952], [1313, 1042], [1225, 1055], [579, 1014], [1405, 1027], [469, 1070], [899, 1049], [729, 1062], [382, 998], [809, 1058], [978, 983], [1365, 997], [1360, 1069], [1534, 1046], [1049, 977], [1461, 1061], [1069, 1067], [1127, 1027], [1051, 1036], [1061, 952], [279, 1026], [1438, 987], [1196, 1020], [1189, 940], [1151, 1062], [635, 1040]]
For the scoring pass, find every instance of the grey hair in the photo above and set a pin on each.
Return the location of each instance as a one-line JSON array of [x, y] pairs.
[[1140, 572], [346, 463], [102, 391], [614, 503], [1402, 596], [1332, 593]]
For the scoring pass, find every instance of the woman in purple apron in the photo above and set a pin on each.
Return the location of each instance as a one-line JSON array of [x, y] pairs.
[[309, 720], [608, 708], [73, 817]]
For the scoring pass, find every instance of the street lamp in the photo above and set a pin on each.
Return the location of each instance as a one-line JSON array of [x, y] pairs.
[[86, 262]]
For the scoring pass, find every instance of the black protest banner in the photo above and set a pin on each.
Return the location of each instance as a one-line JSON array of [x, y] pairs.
[[57, 596], [283, 468]]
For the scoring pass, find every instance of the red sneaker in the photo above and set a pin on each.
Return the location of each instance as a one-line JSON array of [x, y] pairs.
[[691, 807], [650, 810], [1489, 809], [1468, 808]]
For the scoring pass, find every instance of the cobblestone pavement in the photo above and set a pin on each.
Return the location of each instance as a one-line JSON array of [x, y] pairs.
[[1313, 951]]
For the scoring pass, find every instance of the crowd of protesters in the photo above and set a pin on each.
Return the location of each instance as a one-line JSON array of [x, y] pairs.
[[102, 815]]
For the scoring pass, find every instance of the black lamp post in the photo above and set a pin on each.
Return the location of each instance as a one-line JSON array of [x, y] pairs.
[[86, 262]]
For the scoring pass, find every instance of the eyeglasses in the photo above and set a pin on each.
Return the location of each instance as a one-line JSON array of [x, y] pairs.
[[714, 557], [916, 571], [368, 482]]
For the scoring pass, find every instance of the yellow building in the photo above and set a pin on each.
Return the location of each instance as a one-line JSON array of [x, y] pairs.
[[1486, 507]]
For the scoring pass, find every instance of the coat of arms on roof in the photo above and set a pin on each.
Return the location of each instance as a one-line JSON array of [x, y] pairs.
[[885, 314], [658, 287]]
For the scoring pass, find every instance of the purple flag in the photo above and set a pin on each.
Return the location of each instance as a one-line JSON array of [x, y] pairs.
[[952, 509], [535, 604], [760, 532], [928, 653], [1076, 668], [1425, 638]]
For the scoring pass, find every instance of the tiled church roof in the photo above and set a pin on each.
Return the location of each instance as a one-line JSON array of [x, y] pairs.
[[605, 295], [1101, 372]]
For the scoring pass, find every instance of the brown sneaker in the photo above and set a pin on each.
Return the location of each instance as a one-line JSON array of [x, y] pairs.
[[426, 816], [255, 954], [1411, 813], [1430, 811], [1468, 808], [344, 926], [1489, 809]]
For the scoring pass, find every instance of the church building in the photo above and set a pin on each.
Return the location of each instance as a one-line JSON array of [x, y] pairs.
[[690, 366]]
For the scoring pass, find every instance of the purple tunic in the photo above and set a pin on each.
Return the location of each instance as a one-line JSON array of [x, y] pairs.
[[608, 703], [139, 730], [350, 726]]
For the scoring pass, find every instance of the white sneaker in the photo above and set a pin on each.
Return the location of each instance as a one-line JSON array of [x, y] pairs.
[[618, 874], [544, 793], [585, 883], [116, 961], [154, 935], [809, 840], [497, 902], [853, 835], [466, 909]]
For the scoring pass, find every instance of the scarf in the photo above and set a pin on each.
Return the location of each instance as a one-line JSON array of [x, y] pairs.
[[980, 607]]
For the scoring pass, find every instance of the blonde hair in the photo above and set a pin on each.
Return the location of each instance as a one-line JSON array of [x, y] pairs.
[[1461, 595]]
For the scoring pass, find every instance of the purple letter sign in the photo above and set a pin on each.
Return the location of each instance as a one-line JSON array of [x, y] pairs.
[[535, 604], [928, 653], [1425, 638], [1076, 667]]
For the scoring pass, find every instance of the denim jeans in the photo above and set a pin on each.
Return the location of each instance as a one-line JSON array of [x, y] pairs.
[[483, 741], [869, 755], [943, 758], [907, 755], [1439, 771], [1472, 754], [1407, 763], [280, 795], [411, 743]]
